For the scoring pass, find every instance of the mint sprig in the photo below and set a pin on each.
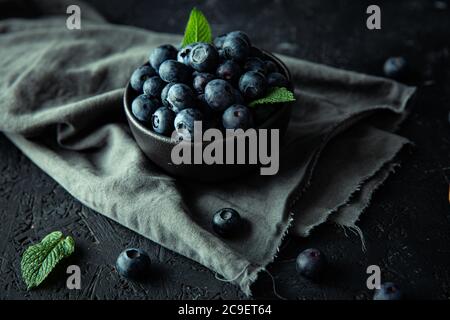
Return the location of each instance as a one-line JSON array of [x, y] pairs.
[[274, 95], [39, 260], [197, 29]]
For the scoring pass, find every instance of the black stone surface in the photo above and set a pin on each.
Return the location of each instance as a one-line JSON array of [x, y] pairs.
[[406, 229]]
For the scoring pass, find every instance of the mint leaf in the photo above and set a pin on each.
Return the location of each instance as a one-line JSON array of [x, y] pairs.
[[40, 259], [197, 29], [275, 95]]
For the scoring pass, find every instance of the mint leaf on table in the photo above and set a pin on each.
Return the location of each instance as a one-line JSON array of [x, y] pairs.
[[197, 29], [275, 95], [39, 260]]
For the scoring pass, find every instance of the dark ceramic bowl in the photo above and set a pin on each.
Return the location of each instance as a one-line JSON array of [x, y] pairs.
[[158, 148]]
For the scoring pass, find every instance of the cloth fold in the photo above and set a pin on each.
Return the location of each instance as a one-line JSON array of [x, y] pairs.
[[61, 104]]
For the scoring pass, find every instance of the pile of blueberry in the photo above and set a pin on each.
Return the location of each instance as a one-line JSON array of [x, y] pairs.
[[212, 83]]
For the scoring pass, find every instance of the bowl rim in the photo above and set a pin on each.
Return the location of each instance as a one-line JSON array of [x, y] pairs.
[[167, 140]]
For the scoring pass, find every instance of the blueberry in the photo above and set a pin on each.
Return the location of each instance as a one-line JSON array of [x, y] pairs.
[[162, 121], [255, 64], [209, 118], [140, 75], [237, 117], [227, 222], [235, 48], [395, 67], [253, 85], [203, 57], [440, 5], [276, 79], [240, 34], [174, 71], [255, 52], [238, 99], [311, 263], [183, 54], [271, 66], [161, 54], [164, 94], [203, 106], [200, 81], [133, 264], [219, 94], [143, 107], [230, 71], [388, 291], [218, 41], [180, 96], [201, 99], [154, 86], [184, 123], [222, 57]]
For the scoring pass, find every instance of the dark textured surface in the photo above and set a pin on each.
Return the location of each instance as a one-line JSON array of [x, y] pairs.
[[407, 228]]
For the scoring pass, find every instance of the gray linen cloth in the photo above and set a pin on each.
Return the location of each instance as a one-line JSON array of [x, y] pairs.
[[61, 104]]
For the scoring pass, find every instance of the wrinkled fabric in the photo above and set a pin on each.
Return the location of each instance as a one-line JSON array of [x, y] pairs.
[[61, 104]]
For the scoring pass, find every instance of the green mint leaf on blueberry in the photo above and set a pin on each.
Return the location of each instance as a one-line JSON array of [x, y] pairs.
[[40, 259], [275, 95], [197, 29]]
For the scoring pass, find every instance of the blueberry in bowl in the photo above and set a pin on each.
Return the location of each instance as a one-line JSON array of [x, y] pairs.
[[184, 122], [203, 57], [161, 54], [140, 75], [219, 94], [162, 121], [143, 107], [237, 117], [230, 71], [212, 82]]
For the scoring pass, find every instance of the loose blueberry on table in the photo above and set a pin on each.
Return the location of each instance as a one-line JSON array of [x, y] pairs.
[[311, 263], [388, 291], [227, 222], [133, 264], [213, 81], [395, 67]]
